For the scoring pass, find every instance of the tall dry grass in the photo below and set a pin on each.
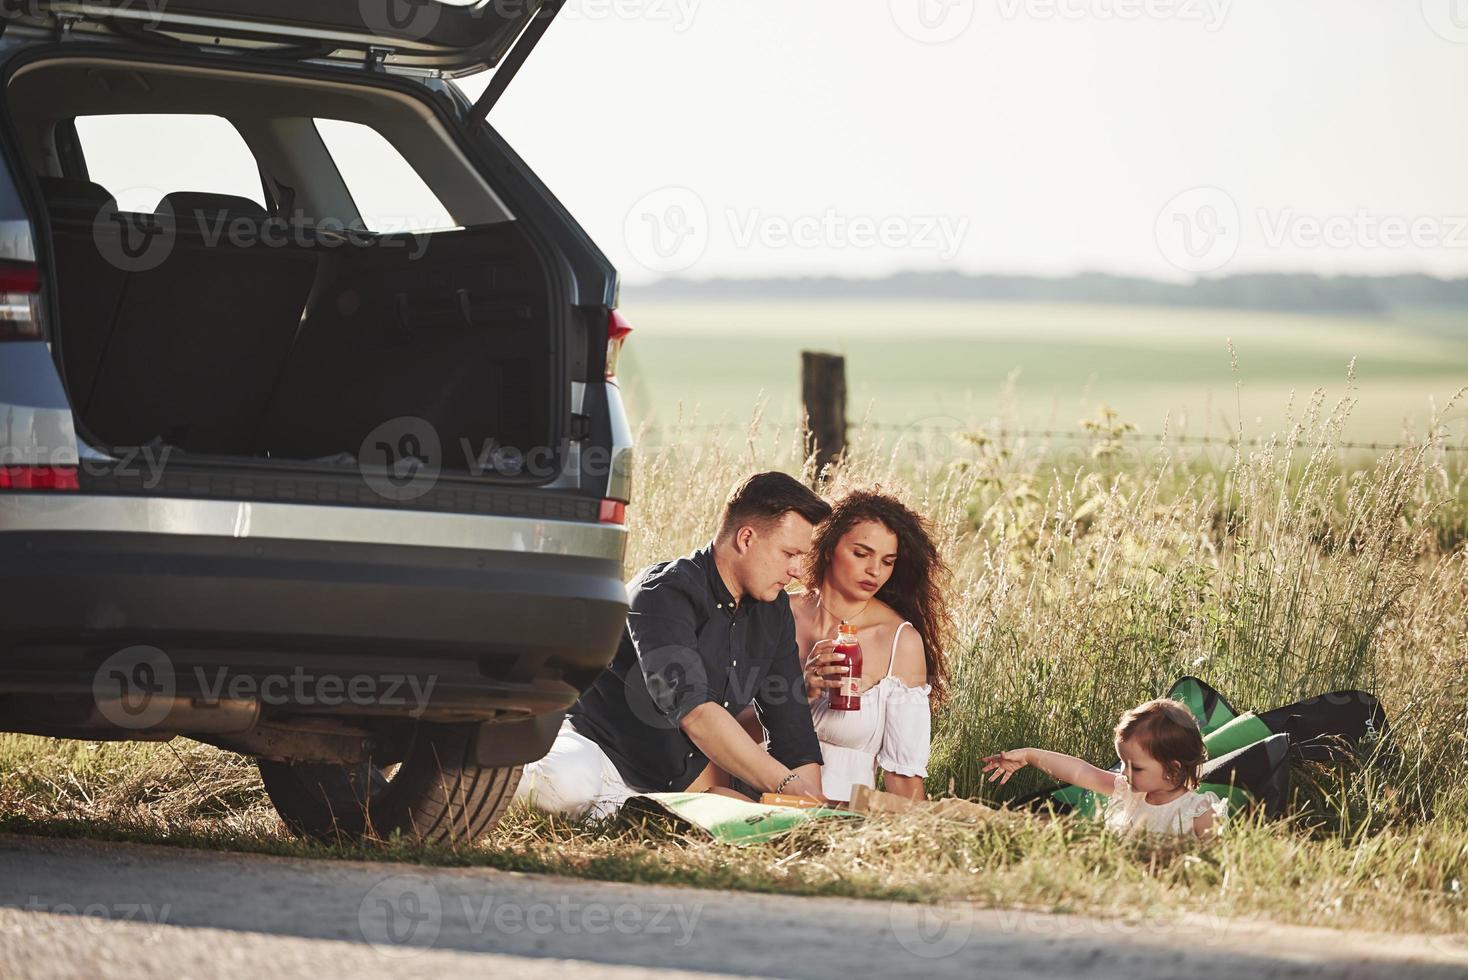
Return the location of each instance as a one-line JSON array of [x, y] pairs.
[[1087, 577]]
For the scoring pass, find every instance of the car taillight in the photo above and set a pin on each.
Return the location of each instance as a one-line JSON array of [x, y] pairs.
[[38, 478], [20, 301], [613, 512], [617, 330]]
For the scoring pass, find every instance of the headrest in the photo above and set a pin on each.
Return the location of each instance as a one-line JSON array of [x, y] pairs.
[[74, 193], [211, 206]]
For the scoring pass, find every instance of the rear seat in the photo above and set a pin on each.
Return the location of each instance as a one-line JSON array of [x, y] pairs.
[[198, 341], [92, 285], [456, 342]]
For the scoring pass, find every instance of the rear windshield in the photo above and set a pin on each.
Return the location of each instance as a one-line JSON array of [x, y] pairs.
[[141, 157], [390, 195]]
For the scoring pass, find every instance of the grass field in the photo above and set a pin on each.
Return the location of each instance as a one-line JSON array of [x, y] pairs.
[[1083, 582], [950, 363]]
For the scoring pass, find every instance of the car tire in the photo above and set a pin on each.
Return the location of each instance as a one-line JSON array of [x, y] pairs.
[[439, 793]]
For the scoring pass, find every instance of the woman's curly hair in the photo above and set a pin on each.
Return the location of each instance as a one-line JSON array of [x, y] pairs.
[[917, 588]]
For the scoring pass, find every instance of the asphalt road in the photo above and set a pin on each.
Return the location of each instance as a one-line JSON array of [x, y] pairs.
[[84, 909]]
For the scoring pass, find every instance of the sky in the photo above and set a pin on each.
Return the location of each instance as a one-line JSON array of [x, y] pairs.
[[1163, 138], [1159, 138]]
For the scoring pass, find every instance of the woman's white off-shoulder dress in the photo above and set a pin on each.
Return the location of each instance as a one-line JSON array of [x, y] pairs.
[[892, 730]]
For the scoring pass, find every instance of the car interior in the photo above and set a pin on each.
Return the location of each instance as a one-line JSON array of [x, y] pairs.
[[284, 321]]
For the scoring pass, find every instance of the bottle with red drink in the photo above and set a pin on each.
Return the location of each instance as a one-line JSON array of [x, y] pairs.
[[845, 698]]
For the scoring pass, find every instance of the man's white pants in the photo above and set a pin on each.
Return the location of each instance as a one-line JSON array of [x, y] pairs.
[[574, 779]]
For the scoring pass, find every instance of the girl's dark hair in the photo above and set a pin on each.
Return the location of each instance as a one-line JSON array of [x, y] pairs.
[[1167, 731], [917, 588]]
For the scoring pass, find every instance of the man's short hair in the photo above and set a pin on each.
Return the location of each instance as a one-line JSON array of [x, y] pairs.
[[763, 499]]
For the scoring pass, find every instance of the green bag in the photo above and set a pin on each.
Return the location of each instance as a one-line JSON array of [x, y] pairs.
[[1249, 753]]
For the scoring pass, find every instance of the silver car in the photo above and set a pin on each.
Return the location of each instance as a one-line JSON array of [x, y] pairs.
[[310, 443]]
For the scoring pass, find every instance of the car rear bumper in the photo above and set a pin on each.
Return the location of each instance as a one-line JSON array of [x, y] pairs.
[[525, 532], [517, 629]]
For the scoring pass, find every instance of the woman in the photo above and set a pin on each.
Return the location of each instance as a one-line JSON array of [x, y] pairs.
[[873, 565]]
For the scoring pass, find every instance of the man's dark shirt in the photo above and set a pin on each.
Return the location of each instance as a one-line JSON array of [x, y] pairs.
[[687, 643]]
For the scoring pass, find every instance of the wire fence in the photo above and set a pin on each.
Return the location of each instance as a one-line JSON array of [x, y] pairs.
[[1003, 434]]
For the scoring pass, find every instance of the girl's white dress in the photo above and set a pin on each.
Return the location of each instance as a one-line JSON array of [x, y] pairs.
[[892, 730], [1127, 810]]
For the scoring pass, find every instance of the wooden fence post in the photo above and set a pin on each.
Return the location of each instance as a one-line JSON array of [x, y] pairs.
[[823, 391]]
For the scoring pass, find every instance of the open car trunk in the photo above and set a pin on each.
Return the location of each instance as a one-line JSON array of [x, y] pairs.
[[316, 349], [224, 332]]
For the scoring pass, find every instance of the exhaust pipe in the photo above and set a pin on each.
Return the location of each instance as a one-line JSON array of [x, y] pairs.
[[186, 716], [123, 718]]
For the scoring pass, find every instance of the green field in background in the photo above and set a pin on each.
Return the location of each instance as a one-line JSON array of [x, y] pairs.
[[943, 363]]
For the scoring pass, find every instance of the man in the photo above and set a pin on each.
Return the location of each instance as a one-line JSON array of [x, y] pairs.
[[707, 635]]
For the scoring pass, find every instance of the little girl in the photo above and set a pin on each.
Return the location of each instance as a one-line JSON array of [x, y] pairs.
[[1161, 751]]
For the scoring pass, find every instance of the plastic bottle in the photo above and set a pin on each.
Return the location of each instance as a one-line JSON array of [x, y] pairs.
[[845, 698]]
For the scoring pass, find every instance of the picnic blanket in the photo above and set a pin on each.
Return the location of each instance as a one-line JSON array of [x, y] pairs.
[[729, 820], [741, 822]]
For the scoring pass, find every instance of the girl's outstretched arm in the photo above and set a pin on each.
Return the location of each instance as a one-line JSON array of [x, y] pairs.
[[1068, 768]]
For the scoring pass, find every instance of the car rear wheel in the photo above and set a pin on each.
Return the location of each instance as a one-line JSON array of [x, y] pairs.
[[437, 794]]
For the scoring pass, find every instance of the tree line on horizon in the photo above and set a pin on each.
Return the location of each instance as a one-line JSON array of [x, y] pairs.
[[1293, 292]]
